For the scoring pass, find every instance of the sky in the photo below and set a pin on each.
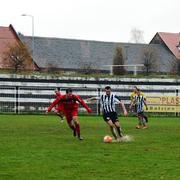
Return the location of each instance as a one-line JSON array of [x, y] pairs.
[[101, 20]]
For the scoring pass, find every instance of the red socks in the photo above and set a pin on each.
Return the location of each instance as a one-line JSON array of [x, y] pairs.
[[77, 129]]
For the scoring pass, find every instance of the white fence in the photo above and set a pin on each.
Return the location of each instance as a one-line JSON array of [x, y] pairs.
[[23, 99]]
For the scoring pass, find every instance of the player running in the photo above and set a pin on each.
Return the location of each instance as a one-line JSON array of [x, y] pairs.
[[69, 103], [108, 101], [59, 108], [133, 108], [140, 101]]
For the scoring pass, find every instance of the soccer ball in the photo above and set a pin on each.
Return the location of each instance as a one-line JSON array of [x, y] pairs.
[[107, 139]]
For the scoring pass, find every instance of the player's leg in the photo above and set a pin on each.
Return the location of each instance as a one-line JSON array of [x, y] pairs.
[[134, 110], [115, 121], [61, 115], [76, 123], [107, 119], [118, 127], [144, 121], [59, 111], [77, 126], [146, 118], [112, 128], [70, 123], [140, 119]]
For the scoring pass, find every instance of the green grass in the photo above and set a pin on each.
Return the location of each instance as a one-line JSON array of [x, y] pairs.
[[40, 147]]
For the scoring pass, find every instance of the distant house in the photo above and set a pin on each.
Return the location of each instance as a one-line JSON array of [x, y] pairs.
[[78, 55], [170, 41], [9, 38]]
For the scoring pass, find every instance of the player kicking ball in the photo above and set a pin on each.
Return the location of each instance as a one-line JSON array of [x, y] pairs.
[[108, 101]]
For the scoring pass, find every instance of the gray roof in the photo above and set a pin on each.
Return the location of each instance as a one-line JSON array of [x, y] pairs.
[[72, 54]]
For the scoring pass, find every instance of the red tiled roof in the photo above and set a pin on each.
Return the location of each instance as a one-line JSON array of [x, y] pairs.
[[7, 37], [171, 40]]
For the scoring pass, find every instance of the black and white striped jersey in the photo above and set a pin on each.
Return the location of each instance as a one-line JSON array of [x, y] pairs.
[[108, 102], [139, 101]]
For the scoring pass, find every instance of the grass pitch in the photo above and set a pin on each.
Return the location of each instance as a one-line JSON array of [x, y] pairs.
[[40, 147]]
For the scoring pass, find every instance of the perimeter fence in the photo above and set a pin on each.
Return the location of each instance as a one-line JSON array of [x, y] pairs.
[[35, 100]]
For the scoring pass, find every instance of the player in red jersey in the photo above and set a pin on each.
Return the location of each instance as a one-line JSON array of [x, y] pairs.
[[69, 103], [58, 108]]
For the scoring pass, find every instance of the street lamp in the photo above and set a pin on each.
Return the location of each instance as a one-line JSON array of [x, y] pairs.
[[32, 17]]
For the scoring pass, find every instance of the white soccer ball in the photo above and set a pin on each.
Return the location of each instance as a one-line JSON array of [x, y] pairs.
[[107, 139]]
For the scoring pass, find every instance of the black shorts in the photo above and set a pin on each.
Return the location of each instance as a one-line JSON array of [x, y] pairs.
[[110, 116], [141, 114]]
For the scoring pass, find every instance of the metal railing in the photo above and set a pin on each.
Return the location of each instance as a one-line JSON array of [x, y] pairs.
[[35, 100]]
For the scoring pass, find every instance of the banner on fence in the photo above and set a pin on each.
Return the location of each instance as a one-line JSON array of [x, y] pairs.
[[163, 104]]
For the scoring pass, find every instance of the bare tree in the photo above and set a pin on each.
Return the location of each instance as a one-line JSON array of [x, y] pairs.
[[85, 63], [150, 59], [118, 60], [51, 68], [137, 36], [87, 67], [17, 58]]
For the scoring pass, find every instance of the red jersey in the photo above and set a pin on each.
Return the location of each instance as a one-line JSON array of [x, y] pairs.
[[69, 103], [58, 94], [56, 102]]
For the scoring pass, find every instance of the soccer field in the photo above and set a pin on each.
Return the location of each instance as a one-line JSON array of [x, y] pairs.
[[40, 147]]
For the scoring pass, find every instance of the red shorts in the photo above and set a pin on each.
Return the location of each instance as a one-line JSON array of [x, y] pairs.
[[70, 114]]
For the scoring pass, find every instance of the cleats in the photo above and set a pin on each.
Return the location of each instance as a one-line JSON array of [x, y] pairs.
[[61, 119], [114, 141], [144, 127], [119, 139], [141, 127], [138, 127], [146, 119], [80, 138]]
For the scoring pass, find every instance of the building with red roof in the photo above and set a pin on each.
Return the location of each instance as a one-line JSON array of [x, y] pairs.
[[171, 41], [9, 38], [74, 55]]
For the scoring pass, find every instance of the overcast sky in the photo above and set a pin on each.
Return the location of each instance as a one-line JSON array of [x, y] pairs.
[[102, 20]]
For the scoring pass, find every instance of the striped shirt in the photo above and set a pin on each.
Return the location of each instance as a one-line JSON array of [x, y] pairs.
[[108, 102], [139, 100]]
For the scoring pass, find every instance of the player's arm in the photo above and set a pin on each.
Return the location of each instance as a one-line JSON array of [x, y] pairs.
[[124, 108], [121, 103], [132, 103], [131, 96], [92, 99], [145, 104], [80, 100], [132, 100], [52, 104], [58, 94]]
